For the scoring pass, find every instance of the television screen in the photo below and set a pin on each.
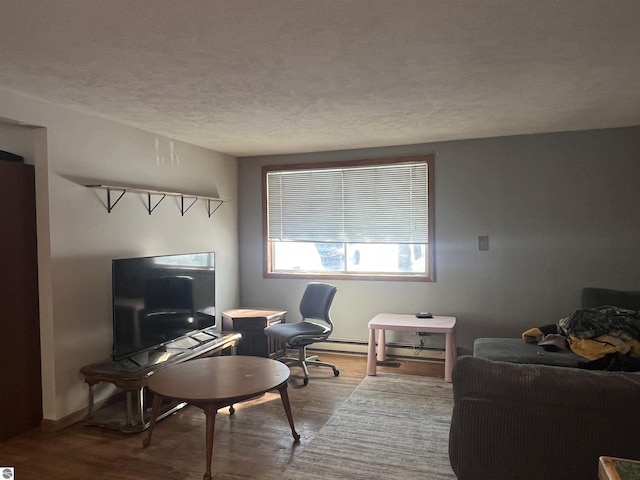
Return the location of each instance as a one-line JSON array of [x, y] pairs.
[[157, 300]]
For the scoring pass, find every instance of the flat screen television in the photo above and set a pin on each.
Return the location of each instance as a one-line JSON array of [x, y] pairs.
[[159, 300]]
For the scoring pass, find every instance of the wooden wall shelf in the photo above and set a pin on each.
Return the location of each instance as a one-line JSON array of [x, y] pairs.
[[213, 203]]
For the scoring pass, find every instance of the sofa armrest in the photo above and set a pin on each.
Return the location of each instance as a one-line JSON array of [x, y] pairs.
[[536, 421]]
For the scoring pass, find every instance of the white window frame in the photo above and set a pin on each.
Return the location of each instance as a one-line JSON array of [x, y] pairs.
[[428, 275]]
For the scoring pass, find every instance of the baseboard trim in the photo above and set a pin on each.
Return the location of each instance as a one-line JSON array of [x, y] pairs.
[[56, 425], [394, 350], [47, 425]]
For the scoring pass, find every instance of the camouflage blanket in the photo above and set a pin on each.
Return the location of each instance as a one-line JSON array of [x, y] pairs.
[[599, 321]]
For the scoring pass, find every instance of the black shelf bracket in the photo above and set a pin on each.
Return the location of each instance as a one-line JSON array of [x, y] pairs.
[[184, 210], [110, 204], [209, 211], [149, 207]]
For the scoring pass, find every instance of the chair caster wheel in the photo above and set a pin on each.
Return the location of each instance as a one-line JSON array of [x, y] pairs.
[[336, 372], [306, 381]]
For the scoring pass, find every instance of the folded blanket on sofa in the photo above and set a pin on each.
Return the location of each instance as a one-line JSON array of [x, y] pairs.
[[596, 332], [593, 333], [605, 320]]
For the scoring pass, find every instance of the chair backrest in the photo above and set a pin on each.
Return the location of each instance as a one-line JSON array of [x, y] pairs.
[[316, 302]]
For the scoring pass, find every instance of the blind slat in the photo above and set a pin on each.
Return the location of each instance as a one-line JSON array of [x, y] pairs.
[[378, 204]]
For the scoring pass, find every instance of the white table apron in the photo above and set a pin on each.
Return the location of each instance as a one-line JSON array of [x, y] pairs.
[[397, 321]]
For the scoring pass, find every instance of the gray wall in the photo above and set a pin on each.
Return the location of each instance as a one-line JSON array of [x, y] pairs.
[[561, 211]]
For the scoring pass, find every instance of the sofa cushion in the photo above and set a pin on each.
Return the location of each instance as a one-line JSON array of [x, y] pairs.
[[517, 350]]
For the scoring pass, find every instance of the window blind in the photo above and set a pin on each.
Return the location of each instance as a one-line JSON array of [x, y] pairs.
[[361, 204]]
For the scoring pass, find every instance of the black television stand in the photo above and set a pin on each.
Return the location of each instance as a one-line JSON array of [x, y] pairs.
[[131, 376]]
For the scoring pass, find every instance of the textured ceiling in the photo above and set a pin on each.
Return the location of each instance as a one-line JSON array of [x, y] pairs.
[[280, 76]]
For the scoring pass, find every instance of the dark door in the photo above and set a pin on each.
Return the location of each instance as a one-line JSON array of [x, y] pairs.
[[20, 375]]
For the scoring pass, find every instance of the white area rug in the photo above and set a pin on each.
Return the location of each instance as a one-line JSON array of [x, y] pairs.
[[392, 427]]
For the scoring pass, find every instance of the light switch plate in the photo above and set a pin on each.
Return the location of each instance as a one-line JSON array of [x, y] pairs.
[[483, 242]]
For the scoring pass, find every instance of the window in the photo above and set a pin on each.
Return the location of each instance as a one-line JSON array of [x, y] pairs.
[[367, 219]]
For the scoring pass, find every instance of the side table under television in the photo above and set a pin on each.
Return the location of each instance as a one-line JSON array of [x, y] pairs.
[[132, 376], [251, 322]]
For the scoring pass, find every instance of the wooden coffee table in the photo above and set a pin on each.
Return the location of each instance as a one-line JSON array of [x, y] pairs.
[[216, 382]]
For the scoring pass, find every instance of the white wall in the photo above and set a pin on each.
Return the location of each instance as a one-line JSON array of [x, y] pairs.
[[561, 211], [78, 238]]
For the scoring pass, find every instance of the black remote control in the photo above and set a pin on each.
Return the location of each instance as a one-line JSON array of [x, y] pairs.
[[424, 315]]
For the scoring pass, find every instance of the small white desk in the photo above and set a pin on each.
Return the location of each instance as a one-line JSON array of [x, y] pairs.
[[397, 321]]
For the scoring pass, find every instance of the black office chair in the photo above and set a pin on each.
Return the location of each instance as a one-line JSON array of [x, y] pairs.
[[316, 326]]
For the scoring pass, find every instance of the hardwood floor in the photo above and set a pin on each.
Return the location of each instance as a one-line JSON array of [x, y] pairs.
[[254, 443]]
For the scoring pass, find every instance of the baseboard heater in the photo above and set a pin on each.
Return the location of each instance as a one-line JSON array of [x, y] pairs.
[[394, 350]]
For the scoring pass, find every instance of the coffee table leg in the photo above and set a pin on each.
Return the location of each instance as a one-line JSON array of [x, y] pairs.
[[155, 409], [284, 396], [210, 411]]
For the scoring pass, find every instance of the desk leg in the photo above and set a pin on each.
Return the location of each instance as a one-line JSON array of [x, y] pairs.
[[210, 411], [284, 396], [450, 355], [382, 346], [371, 353], [155, 410]]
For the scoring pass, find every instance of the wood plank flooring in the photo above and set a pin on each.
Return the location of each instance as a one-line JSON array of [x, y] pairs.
[[254, 443]]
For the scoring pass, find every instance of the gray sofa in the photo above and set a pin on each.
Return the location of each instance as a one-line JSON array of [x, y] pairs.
[[518, 351], [520, 413], [530, 422]]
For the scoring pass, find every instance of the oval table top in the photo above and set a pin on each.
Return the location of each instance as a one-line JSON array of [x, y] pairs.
[[219, 379]]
